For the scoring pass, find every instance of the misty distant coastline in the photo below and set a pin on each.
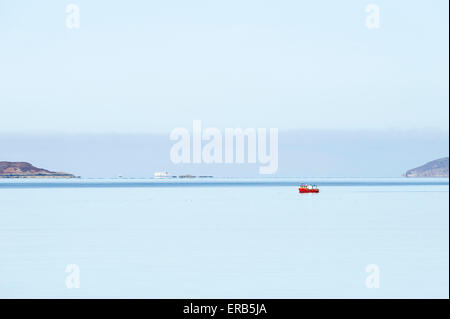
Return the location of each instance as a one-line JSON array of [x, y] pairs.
[[317, 153], [436, 168]]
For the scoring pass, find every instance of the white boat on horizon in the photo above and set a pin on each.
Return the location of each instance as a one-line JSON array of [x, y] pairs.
[[161, 175]]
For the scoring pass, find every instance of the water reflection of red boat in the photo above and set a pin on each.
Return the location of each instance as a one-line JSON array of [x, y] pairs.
[[308, 189]]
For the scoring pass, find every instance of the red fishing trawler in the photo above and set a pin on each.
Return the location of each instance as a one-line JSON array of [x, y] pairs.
[[308, 189]]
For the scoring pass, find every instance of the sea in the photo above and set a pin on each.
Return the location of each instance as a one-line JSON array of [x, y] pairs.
[[224, 238]]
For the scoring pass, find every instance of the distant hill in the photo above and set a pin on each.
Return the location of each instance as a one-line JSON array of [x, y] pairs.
[[26, 170], [437, 168]]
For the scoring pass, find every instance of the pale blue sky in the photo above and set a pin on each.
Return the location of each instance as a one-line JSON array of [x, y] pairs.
[[150, 66]]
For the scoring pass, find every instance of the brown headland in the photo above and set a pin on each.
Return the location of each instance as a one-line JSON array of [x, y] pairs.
[[26, 170]]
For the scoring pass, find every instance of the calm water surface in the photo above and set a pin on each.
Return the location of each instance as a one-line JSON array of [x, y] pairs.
[[224, 238]]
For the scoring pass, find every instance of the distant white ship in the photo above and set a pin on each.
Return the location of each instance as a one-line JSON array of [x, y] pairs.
[[161, 175]]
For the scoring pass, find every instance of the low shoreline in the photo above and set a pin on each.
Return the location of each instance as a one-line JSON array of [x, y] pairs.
[[219, 182], [39, 176]]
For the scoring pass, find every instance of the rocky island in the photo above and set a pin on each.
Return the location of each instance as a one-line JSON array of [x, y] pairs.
[[437, 168], [26, 170]]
